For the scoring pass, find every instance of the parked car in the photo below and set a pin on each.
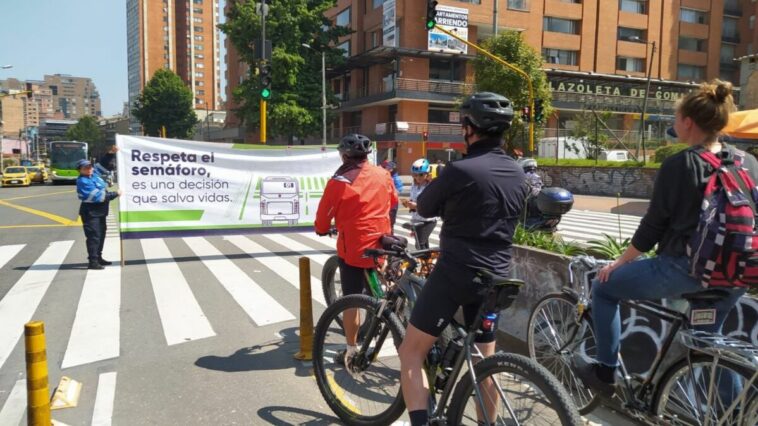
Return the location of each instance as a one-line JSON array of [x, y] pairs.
[[37, 174], [16, 176]]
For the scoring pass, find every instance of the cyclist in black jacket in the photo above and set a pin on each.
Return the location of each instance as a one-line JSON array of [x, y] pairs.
[[479, 199]]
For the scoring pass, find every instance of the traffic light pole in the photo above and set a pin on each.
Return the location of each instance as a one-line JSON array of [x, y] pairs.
[[263, 55], [511, 67]]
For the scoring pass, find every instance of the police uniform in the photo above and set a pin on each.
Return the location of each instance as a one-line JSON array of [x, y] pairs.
[[93, 193]]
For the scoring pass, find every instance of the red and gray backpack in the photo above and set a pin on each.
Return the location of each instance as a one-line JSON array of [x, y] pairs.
[[723, 250]]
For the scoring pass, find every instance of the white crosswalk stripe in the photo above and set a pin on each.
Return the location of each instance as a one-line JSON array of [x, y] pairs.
[[9, 252], [15, 406]]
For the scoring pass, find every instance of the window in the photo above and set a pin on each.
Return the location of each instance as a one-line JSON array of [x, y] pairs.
[[199, 56], [558, 25], [630, 64], [729, 30], [197, 20], [690, 72], [199, 74], [199, 38], [628, 34], [726, 54], [728, 75], [557, 56], [201, 93], [446, 69], [694, 44], [199, 65], [692, 16], [198, 47], [751, 22], [518, 4], [199, 83], [197, 10], [197, 1], [346, 48], [197, 29], [343, 18], [633, 6], [377, 3]]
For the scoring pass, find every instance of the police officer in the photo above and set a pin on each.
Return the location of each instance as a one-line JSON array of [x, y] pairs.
[[92, 191]]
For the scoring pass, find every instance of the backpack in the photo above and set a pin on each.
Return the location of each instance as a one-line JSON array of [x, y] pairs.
[[723, 251]]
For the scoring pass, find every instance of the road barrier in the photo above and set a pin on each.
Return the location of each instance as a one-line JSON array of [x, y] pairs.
[[37, 390], [306, 312]]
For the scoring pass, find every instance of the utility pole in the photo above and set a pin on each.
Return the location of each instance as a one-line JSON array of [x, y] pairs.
[[323, 100], [494, 17], [644, 100], [207, 124], [264, 59]]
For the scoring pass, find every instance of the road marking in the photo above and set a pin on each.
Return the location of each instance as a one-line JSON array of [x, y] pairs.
[[259, 305], [9, 252], [36, 226], [277, 264], [95, 334], [15, 406], [182, 318], [106, 393], [71, 191], [330, 242], [301, 249], [54, 217], [20, 303], [339, 393]]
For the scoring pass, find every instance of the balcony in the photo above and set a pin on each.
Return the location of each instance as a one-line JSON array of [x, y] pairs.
[[390, 88], [730, 38], [410, 131], [732, 8]]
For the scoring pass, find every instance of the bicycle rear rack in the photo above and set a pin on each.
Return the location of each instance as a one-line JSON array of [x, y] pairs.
[[717, 345]]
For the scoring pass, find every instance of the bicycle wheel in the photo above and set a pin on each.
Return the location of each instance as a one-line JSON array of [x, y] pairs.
[[369, 393], [683, 393], [553, 337], [330, 280], [523, 392]]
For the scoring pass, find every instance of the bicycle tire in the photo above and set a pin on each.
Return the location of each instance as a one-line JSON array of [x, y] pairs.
[[328, 282], [341, 409], [553, 394], [671, 380], [560, 364]]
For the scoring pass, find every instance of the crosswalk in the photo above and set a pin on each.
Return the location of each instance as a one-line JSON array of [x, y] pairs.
[[259, 273]]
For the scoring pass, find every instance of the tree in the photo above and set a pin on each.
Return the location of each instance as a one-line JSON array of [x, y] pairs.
[[592, 134], [166, 101], [494, 77], [295, 106], [87, 130]]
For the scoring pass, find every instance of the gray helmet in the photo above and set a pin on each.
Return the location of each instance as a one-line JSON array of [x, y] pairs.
[[487, 111], [528, 164], [355, 145]]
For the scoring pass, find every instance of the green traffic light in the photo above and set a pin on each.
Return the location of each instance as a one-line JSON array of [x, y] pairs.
[[266, 93], [430, 24]]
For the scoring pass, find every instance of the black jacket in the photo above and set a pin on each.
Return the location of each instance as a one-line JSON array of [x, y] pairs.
[[674, 209], [479, 199]]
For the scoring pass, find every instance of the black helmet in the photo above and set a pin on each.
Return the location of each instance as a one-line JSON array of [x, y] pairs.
[[487, 111], [355, 145]]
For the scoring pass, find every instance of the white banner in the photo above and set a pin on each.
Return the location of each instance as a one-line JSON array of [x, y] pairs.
[[453, 19], [177, 187], [389, 24]]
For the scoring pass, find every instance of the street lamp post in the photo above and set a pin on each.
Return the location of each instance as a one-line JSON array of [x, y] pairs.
[[2, 155], [323, 94], [647, 90], [207, 125]]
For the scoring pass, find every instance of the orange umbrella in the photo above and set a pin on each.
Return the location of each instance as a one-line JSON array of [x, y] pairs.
[[742, 125]]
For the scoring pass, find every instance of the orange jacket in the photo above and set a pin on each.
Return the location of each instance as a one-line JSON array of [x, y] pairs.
[[358, 198]]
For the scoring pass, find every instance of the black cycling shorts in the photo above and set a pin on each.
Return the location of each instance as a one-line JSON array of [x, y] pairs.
[[353, 278], [448, 288]]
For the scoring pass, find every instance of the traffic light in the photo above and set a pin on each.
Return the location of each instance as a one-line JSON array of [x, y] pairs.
[[431, 14], [539, 113], [425, 135], [264, 73], [525, 114]]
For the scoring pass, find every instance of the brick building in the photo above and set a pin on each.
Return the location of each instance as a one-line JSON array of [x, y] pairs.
[[180, 35]]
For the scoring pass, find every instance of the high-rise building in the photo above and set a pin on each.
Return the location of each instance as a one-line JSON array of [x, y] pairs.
[[72, 97], [179, 35]]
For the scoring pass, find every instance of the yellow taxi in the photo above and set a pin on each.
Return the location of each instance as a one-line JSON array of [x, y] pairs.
[[16, 176], [37, 174]]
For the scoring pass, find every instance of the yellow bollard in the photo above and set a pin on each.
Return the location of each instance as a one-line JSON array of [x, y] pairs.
[[37, 391], [306, 312]]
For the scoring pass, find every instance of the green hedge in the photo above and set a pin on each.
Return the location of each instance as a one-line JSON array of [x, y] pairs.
[[566, 162], [667, 151]]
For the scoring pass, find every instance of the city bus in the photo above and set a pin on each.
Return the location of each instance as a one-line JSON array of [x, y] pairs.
[[63, 157]]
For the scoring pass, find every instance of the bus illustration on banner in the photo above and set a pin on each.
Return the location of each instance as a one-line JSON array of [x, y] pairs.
[[280, 200]]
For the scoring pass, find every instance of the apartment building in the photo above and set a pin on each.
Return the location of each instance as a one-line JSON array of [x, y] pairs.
[[180, 35]]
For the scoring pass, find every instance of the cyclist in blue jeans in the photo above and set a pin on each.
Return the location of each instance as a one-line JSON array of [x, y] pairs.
[[671, 219]]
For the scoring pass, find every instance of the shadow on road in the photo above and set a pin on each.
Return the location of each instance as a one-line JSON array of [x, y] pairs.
[[43, 267], [282, 416], [632, 208], [272, 355]]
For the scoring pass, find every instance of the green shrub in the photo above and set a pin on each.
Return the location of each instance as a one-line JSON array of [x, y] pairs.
[[572, 162], [8, 162], [545, 241], [608, 248], [667, 151]]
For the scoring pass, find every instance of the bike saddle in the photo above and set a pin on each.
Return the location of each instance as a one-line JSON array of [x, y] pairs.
[[487, 277], [709, 295], [499, 292], [393, 242]]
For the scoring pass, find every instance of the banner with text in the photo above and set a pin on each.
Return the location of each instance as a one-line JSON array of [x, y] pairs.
[[175, 187], [453, 19]]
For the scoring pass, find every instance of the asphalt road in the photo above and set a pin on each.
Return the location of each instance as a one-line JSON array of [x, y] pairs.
[[119, 331]]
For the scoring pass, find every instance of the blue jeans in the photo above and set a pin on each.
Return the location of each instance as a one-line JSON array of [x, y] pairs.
[[648, 279]]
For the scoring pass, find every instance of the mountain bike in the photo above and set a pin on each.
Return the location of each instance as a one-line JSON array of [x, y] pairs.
[[714, 383], [501, 389]]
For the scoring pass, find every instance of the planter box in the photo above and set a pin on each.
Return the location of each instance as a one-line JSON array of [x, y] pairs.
[[545, 272]]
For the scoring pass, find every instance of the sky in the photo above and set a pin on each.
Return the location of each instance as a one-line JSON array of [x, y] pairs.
[[83, 38]]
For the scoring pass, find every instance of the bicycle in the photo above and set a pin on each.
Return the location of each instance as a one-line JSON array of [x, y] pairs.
[[692, 390], [375, 397]]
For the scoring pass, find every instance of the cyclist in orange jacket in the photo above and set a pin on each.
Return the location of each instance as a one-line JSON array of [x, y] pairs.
[[358, 198]]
